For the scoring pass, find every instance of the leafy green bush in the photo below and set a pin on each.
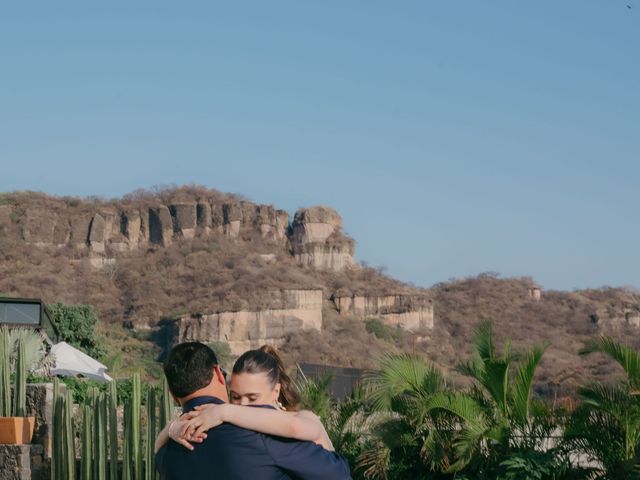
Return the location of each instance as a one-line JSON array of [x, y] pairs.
[[76, 324], [81, 386]]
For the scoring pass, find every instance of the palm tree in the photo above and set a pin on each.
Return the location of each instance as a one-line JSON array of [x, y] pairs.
[[406, 440], [606, 427], [499, 427]]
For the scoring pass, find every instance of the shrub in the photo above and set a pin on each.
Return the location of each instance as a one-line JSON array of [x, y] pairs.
[[76, 324], [382, 331]]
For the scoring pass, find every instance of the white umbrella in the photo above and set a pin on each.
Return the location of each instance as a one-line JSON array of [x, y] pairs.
[[71, 362]]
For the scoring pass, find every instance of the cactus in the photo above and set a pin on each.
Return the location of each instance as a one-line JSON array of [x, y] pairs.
[[166, 408], [69, 444], [99, 438], [5, 368], [86, 452], [136, 451], [151, 435], [63, 454], [113, 431], [126, 450], [132, 451], [56, 432], [20, 389]]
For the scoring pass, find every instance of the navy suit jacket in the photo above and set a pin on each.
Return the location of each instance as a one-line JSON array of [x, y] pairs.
[[230, 453]]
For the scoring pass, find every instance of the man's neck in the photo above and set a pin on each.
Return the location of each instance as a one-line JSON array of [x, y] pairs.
[[208, 391]]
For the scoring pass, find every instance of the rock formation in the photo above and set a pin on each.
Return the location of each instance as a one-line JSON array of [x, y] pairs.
[[294, 310], [412, 312], [268, 296], [317, 239]]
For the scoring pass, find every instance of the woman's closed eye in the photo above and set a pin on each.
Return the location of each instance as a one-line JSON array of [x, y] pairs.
[[250, 397]]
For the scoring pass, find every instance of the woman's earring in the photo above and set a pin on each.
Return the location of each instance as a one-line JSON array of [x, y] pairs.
[[280, 405]]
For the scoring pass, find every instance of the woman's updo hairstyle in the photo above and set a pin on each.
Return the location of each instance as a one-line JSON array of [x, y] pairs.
[[266, 360]]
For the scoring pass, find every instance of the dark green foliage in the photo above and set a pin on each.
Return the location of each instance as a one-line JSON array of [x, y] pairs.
[[382, 331], [315, 395], [76, 324], [606, 427], [81, 386]]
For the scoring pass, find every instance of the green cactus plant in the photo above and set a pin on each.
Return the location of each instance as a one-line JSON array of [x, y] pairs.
[[5, 369], [86, 438], [63, 449], [20, 389], [132, 446], [151, 435], [69, 444], [56, 432], [99, 438], [127, 464], [113, 430], [166, 408], [136, 401]]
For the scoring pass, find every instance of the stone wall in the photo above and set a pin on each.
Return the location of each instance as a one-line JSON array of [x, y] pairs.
[[244, 330], [32, 462], [15, 462]]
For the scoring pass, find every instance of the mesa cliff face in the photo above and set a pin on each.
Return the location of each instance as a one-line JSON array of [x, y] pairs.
[[315, 238], [291, 312], [206, 265], [411, 312]]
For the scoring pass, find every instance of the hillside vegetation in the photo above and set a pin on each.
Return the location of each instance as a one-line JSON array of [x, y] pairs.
[[216, 273]]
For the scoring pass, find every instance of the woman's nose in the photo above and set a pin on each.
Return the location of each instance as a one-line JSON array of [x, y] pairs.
[[244, 401]]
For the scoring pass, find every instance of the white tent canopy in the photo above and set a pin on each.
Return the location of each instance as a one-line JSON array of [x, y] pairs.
[[71, 362]]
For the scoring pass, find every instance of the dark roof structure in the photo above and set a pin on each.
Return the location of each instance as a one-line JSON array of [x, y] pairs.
[[343, 379], [28, 312]]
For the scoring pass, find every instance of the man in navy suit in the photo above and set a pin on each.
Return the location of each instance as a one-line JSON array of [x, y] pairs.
[[229, 452]]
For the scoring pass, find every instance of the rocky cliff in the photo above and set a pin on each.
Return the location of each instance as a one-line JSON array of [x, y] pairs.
[[290, 311], [412, 312], [214, 266], [107, 228], [317, 239]]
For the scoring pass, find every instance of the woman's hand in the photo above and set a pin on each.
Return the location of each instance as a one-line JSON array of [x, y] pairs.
[[178, 432], [204, 417]]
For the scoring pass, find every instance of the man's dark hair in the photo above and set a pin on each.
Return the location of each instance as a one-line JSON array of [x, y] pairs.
[[189, 367]]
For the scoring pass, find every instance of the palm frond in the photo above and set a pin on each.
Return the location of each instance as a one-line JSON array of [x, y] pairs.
[[375, 461], [34, 343], [402, 375], [625, 356], [523, 382], [462, 406], [483, 340]]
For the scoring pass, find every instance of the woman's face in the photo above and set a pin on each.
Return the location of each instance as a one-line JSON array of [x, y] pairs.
[[253, 389]]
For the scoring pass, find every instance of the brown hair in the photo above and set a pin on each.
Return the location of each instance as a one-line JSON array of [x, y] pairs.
[[266, 360]]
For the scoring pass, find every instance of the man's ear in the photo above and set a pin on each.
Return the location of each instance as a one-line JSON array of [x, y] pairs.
[[218, 375]]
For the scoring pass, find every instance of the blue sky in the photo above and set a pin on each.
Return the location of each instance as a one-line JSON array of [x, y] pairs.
[[453, 137]]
